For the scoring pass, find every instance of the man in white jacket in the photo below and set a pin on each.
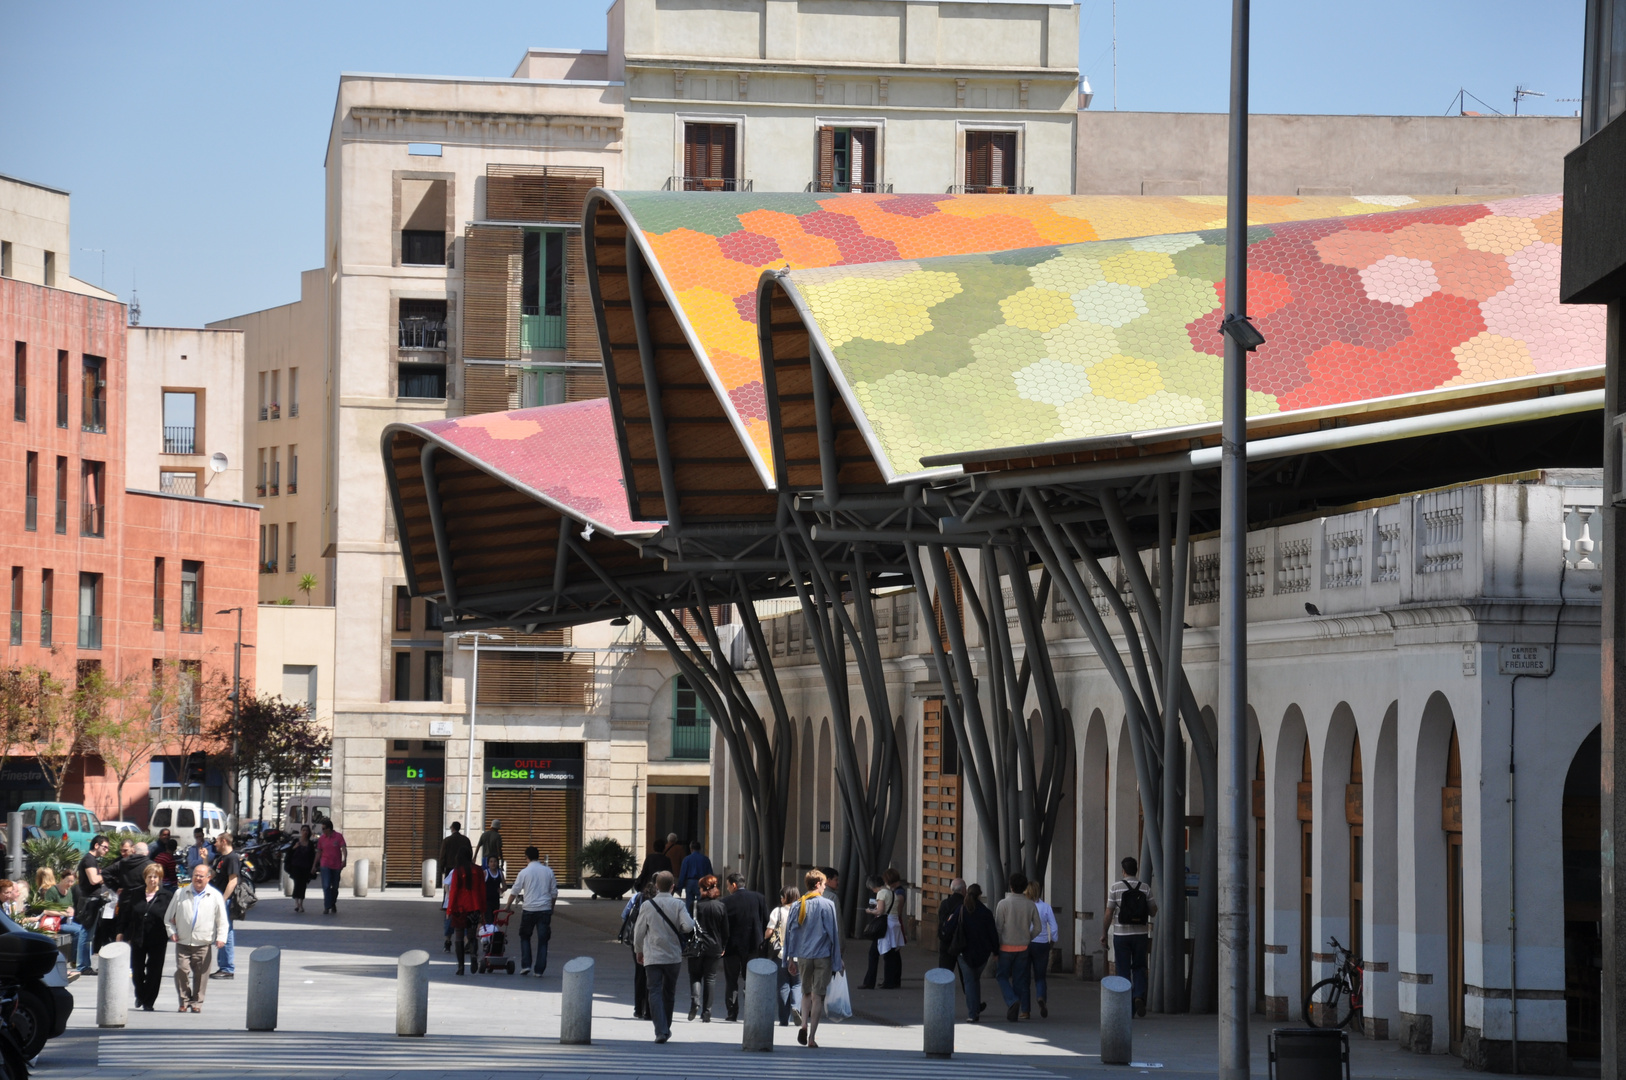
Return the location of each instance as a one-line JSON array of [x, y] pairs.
[[196, 920], [657, 944]]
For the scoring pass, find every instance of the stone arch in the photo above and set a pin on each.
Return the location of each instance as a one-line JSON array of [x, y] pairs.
[[1425, 909], [1286, 968], [1381, 937], [1125, 836], [1093, 872], [1583, 898], [824, 805], [1061, 876], [806, 798], [1332, 839]]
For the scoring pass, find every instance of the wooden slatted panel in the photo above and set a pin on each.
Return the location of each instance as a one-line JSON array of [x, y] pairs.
[[489, 388], [940, 841], [582, 384], [827, 159], [551, 820], [528, 678], [539, 193], [491, 286], [412, 831], [581, 330], [714, 469]]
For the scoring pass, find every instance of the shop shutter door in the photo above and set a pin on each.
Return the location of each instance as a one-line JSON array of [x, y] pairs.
[[411, 832], [551, 820]]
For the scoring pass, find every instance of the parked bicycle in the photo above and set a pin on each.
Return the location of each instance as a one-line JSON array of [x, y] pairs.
[[1336, 1002]]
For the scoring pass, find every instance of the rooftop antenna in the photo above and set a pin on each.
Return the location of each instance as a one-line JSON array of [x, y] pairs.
[[1519, 93], [1459, 104], [135, 302]]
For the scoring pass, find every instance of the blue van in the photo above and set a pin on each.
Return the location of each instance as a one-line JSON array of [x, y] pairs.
[[63, 819]]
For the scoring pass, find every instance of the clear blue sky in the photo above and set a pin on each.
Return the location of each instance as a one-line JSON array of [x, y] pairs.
[[192, 135]]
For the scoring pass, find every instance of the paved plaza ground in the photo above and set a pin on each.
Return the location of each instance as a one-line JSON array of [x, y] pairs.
[[337, 1015]]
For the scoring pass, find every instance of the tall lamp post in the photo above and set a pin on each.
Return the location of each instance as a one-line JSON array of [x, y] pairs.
[[236, 699], [1241, 338], [474, 696]]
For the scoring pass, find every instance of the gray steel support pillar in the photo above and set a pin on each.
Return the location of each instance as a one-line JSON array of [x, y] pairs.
[[431, 877], [358, 879], [1612, 806], [576, 1003], [264, 979], [113, 987], [937, 1040], [1117, 1021], [18, 869], [1234, 791], [412, 993], [761, 1004]]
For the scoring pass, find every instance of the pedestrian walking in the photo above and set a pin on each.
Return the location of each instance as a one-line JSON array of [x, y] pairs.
[[657, 944], [489, 849], [945, 911], [465, 900], [654, 863], [454, 844], [228, 871], [492, 881], [300, 862], [199, 852], [747, 927], [790, 991], [886, 909], [537, 890], [331, 857], [167, 860], [90, 895], [1018, 922], [629, 926], [832, 887], [1130, 907], [696, 865], [973, 937], [813, 941], [195, 920], [676, 852], [706, 970], [1039, 947], [140, 923]]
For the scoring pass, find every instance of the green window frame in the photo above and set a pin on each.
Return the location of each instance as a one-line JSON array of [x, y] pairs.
[[691, 723], [542, 289]]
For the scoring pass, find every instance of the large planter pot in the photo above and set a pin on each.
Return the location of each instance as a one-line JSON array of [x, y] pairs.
[[608, 888]]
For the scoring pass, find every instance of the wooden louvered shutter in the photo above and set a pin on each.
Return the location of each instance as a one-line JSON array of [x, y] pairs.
[[862, 164], [973, 144], [827, 159], [539, 193], [491, 284], [550, 820], [996, 161], [411, 831]]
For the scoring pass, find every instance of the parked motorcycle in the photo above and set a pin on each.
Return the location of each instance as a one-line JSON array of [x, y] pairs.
[[13, 1066], [32, 974]]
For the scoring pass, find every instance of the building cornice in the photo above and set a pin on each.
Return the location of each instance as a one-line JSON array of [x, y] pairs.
[[660, 62]]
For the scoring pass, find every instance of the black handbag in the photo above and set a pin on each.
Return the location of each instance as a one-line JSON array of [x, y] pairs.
[[695, 943]]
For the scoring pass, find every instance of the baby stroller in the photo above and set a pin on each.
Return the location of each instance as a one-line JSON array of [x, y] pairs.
[[494, 945]]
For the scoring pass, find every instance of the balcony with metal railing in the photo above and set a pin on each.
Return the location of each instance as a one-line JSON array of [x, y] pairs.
[[31, 512], [421, 332], [191, 617], [709, 183], [62, 410], [62, 516], [46, 619], [541, 331], [90, 631], [180, 440], [265, 412], [16, 628], [276, 479], [691, 739], [871, 188], [293, 408], [94, 415], [989, 189]]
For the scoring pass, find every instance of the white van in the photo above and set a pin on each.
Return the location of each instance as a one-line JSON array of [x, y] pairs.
[[308, 808], [180, 817]]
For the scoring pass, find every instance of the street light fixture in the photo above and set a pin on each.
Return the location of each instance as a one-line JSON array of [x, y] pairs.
[[474, 695]]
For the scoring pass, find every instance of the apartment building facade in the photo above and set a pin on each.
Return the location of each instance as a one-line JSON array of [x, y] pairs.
[[186, 437], [34, 243], [102, 577]]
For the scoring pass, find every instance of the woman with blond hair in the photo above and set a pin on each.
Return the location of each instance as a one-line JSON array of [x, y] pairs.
[[1039, 947], [140, 922]]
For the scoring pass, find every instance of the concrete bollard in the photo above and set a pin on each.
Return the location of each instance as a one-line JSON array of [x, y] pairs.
[[1117, 1012], [358, 878], [264, 979], [412, 993], [113, 987], [431, 877], [938, 1040], [761, 1007], [285, 882], [576, 1003]]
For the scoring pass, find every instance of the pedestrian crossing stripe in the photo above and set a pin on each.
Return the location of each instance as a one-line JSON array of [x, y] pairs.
[[348, 1051]]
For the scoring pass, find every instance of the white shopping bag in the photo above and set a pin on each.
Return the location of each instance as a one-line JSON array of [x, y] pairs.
[[838, 1003]]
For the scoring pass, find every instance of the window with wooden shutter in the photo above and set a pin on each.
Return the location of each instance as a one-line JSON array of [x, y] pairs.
[[708, 157], [492, 278], [537, 194], [990, 161], [827, 159]]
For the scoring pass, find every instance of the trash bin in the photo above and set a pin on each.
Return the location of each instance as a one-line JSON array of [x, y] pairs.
[[1309, 1054]]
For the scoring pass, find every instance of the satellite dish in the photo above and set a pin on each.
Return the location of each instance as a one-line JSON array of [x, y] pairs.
[[217, 462]]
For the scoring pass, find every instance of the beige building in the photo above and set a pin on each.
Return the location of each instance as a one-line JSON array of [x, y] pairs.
[[34, 243], [847, 95], [293, 656], [282, 424], [185, 431]]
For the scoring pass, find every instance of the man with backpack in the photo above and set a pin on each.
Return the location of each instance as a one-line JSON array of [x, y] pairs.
[[1130, 907]]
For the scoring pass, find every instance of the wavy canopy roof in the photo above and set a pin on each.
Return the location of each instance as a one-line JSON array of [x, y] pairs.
[[708, 251]]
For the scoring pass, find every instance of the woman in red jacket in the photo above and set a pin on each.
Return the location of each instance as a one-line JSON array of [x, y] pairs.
[[465, 899]]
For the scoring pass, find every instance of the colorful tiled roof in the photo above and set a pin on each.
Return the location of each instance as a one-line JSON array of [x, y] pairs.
[[564, 455], [712, 247], [981, 351]]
